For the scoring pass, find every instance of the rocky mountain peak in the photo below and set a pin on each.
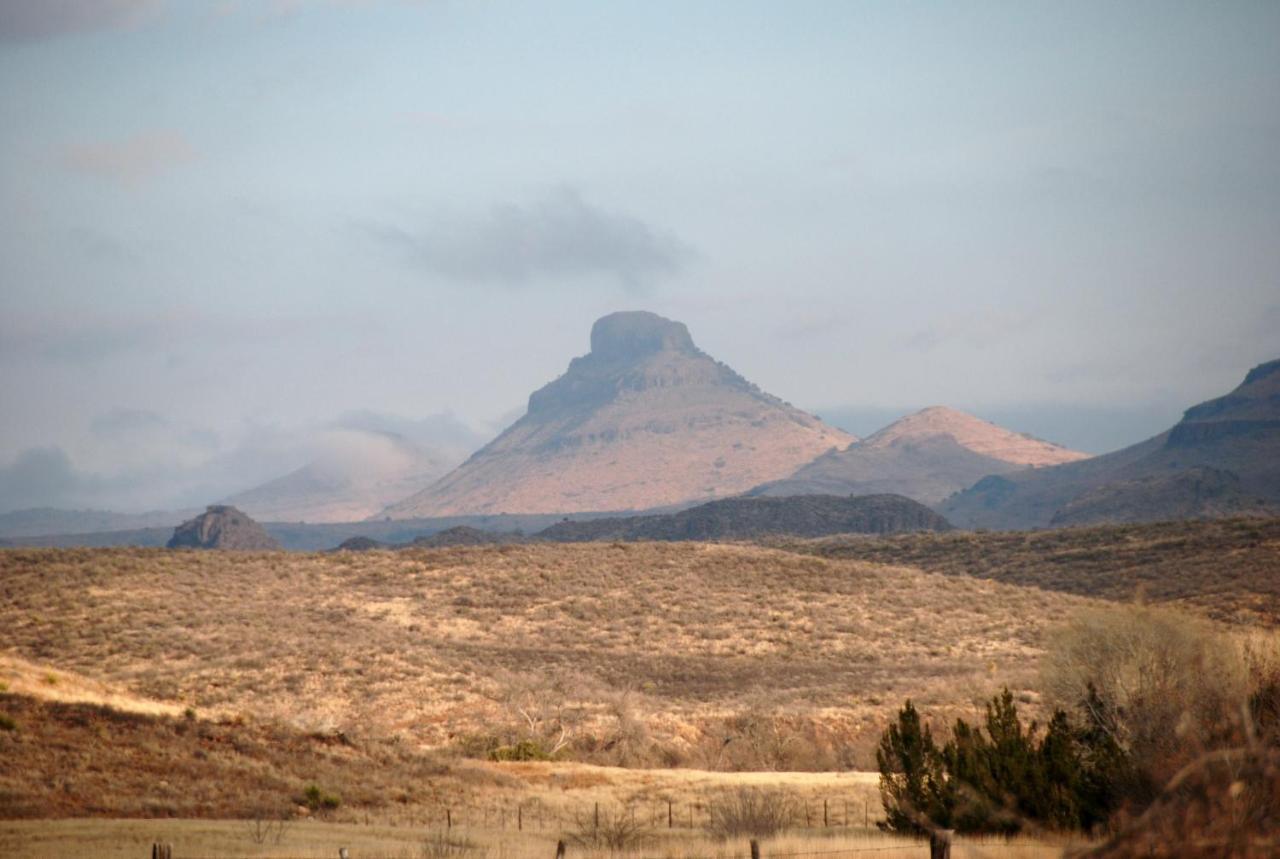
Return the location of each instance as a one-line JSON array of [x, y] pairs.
[[630, 335], [644, 420], [1262, 371]]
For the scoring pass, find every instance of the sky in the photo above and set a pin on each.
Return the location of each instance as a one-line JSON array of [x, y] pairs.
[[228, 227]]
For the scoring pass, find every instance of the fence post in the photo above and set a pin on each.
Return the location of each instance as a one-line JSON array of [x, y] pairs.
[[559, 850], [448, 818], [520, 818], [755, 849], [824, 814], [670, 818], [940, 843], [161, 851]]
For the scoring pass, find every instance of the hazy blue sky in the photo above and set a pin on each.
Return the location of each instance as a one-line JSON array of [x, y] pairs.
[[225, 224]]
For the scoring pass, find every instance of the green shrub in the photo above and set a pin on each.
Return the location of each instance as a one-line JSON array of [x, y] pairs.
[[7, 723], [525, 750], [317, 800]]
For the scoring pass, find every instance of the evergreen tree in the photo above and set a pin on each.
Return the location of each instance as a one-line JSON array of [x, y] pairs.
[[999, 777], [912, 787]]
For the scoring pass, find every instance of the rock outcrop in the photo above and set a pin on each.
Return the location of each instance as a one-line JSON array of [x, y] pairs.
[[222, 527]]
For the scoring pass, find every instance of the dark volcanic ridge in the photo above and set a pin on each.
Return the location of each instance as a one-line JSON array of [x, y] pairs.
[[742, 518], [748, 518]]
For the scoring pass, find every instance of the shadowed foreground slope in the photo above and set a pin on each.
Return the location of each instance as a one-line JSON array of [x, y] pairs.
[[1225, 569]]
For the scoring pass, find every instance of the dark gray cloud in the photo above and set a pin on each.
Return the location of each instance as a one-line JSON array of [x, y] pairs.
[[34, 20], [557, 235], [131, 160]]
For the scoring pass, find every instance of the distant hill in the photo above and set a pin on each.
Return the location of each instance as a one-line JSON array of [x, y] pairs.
[[746, 518], [465, 535], [1193, 493], [645, 420], [315, 537], [926, 456], [222, 527], [362, 472], [1222, 458], [1160, 562]]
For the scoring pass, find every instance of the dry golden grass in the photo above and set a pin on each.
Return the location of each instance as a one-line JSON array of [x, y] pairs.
[[428, 645], [128, 839], [74, 760], [70, 762]]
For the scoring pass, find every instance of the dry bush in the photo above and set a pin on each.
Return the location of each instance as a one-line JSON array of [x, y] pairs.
[[1224, 803], [753, 812], [772, 740], [543, 711], [608, 829], [1172, 686], [446, 845], [267, 825]]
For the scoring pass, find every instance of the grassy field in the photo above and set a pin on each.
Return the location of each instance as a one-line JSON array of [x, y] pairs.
[[648, 653], [196, 697], [130, 839]]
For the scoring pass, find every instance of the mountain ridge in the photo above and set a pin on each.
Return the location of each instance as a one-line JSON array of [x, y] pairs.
[[1235, 437], [927, 456]]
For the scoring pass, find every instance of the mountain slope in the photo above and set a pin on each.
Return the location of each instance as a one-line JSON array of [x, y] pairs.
[[925, 456], [1233, 441], [361, 472], [644, 420]]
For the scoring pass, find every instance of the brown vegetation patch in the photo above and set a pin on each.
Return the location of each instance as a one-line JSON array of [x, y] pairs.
[[1225, 569]]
